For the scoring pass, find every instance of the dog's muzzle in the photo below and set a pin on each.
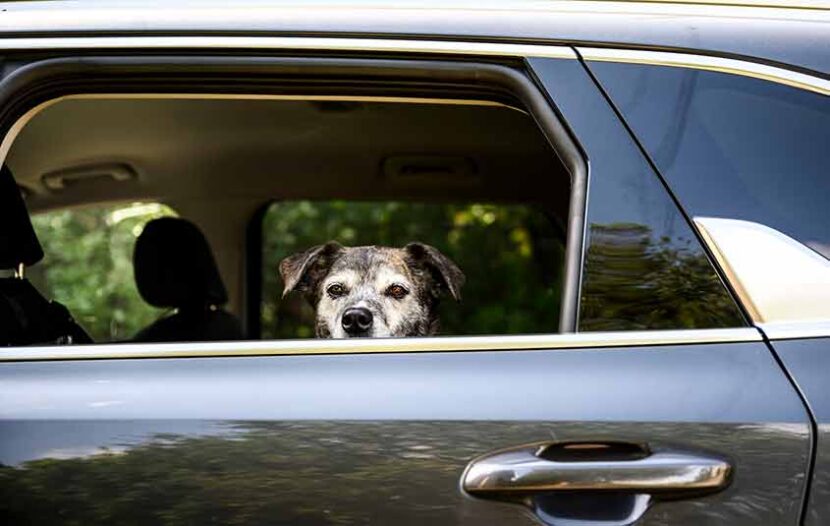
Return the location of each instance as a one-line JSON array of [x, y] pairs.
[[357, 321]]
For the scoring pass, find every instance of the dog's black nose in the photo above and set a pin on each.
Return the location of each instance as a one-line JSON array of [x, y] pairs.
[[357, 321]]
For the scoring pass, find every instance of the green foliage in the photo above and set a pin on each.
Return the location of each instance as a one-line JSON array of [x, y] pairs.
[[511, 255], [88, 266], [634, 282]]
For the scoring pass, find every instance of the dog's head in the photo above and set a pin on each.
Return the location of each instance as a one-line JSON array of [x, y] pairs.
[[373, 291]]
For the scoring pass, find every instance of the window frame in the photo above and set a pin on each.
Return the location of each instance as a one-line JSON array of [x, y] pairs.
[[32, 87], [38, 83]]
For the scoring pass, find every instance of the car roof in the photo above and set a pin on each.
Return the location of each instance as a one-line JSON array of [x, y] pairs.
[[789, 33]]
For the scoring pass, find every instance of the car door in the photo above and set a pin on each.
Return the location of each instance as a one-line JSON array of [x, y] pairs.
[[665, 407], [748, 158]]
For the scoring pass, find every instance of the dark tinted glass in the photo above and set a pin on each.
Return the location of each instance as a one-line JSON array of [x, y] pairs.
[[733, 146], [645, 268]]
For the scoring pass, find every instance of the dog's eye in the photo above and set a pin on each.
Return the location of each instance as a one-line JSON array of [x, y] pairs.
[[396, 291], [336, 290]]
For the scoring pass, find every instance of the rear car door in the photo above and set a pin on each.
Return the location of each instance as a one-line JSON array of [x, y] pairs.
[[665, 407]]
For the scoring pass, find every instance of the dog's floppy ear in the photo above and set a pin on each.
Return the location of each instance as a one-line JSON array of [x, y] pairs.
[[441, 267], [301, 271]]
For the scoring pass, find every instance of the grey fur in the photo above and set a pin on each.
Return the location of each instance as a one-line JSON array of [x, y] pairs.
[[335, 278]]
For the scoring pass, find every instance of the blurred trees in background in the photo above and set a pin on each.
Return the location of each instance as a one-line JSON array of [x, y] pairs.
[[88, 266], [512, 257]]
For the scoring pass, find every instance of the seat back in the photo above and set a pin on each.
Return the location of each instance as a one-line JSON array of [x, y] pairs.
[[18, 241], [26, 317], [175, 268]]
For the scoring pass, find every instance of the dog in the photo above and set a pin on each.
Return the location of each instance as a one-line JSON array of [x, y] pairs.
[[373, 291]]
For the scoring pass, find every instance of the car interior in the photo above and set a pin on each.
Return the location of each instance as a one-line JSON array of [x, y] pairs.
[[222, 162], [27, 317]]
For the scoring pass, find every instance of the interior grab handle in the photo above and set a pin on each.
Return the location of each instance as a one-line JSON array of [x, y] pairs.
[[590, 467]]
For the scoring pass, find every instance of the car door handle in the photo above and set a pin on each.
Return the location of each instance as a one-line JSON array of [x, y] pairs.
[[589, 466]]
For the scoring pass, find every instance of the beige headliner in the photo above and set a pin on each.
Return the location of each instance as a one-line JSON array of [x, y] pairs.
[[251, 148]]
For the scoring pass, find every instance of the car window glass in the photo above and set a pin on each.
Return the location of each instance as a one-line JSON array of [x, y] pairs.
[[644, 267], [732, 146]]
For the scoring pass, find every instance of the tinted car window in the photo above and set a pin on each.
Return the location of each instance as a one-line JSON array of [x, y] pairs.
[[644, 266], [732, 146]]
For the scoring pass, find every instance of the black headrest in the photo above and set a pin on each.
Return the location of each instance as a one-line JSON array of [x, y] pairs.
[[174, 266], [18, 241]]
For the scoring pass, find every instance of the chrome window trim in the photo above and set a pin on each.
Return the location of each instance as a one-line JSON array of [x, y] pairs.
[[819, 5], [709, 63], [466, 48], [380, 345], [379, 45], [793, 330]]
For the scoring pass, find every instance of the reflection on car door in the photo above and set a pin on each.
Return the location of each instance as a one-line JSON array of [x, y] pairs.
[[384, 438]]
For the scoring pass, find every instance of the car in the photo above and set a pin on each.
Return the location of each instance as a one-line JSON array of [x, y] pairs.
[[636, 192]]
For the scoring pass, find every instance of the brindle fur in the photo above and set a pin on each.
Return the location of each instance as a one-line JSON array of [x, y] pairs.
[[366, 274]]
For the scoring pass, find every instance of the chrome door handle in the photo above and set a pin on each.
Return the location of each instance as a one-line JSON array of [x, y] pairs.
[[593, 467]]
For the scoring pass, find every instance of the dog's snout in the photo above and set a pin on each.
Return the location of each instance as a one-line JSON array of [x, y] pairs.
[[357, 321]]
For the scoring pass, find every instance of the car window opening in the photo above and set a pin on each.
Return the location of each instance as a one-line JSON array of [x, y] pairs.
[[386, 219]]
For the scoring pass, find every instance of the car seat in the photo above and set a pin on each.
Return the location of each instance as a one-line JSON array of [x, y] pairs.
[[26, 317], [175, 268]]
